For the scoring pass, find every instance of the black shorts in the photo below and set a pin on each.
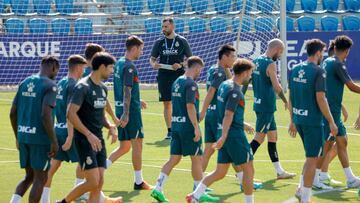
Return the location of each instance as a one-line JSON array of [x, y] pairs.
[[88, 158], [165, 81]]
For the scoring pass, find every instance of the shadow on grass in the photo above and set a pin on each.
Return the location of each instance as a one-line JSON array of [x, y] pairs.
[[126, 195], [160, 143]]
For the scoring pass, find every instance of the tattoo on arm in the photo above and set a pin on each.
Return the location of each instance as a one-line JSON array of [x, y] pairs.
[[127, 98]]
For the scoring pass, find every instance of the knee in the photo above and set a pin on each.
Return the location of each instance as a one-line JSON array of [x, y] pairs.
[[125, 146], [260, 139], [29, 178]]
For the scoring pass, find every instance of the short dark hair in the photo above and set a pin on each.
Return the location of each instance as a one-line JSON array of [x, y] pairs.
[[225, 50], [192, 60], [75, 60], [50, 61], [169, 19], [242, 65], [331, 48], [91, 49], [313, 46], [342, 43], [132, 41], [102, 58]]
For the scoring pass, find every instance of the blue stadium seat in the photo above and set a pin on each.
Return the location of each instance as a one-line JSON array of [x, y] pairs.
[[332, 6], [351, 23], [290, 7], [222, 6], [156, 6], [352, 5], [218, 24], [83, 26], [179, 25], [329, 23], [60, 26], [310, 6], [246, 24], [306, 23], [14, 25], [197, 24], [38, 25], [177, 6], [153, 25], [3, 4], [199, 6], [289, 24], [239, 5], [134, 7], [263, 24], [115, 8], [20, 7], [42, 7], [64, 6], [265, 6]]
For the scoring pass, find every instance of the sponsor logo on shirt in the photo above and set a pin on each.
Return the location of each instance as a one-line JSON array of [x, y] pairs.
[[170, 52], [257, 100], [59, 96], [119, 103], [178, 119], [219, 97], [300, 77], [99, 103], [61, 125], [219, 126], [212, 107], [300, 112], [30, 90], [26, 129], [176, 91]]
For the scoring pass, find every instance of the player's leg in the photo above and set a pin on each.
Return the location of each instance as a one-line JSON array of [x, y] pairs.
[[40, 177], [210, 139], [23, 186], [262, 123], [123, 148], [324, 174], [139, 183], [208, 152], [196, 169], [167, 117], [55, 165], [317, 183], [248, 180], [165, 82], [95, 193]]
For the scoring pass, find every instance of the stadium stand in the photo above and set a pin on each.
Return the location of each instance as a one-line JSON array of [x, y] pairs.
[[306, 23], [197, 24], [246, 24], [263, 24], [38, 26], [351, 23], [218, 24], [83, 26], [14, 25], [153, 25], [60, 26], [289, 24], [329, 23]]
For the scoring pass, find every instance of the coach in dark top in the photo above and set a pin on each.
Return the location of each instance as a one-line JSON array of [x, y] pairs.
[[171, 49]]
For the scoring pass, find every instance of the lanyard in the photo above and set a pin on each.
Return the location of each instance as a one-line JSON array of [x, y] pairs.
[[171, 48]]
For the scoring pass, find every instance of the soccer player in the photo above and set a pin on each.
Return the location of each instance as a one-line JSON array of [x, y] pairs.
[[232, 143], [265, 87], [357, 122], [172, 48], [64, 130], [186, 137], [90, 50], [128, 108], [308, 105], [33, 125], [216, 75], [86, 112], [336, 77]]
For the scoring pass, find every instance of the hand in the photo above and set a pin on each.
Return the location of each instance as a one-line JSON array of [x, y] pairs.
[[286, 105], [124, 120], [292, 130], [345, 114], [66, 146], [116, 121], [333, 129], [54, 148], [218, 145], [143, 104], [176, 66], [112, 133], [156, 65], [197, 134], [249, 129], [94, 142], [202, 115], [357, 123]]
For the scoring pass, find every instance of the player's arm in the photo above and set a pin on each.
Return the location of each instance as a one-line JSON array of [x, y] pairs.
[[357, 122], [154, 54], [13, 119], [321, 100], [111, 113], [344, 112], [76, 101], [112, 129], [49, 102], [292, 128], [190, 94], [128, 83], [345, 78], [271, 72]]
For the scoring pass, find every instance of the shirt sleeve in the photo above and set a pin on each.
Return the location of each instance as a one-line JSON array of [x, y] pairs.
[[320, 80], [219, 77], [190, 92], [341, 72], [79, 94], [155, 49], [187, 49], [50, 95], [233, 100], [129, 75]]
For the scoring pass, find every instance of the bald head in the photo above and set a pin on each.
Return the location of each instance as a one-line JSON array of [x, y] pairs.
[[275, 49]]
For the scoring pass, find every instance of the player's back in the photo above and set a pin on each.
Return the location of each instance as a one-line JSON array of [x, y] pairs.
[[229, 90], [334, 84], [180, 118], [302, 85], [121, 66], [264, 94], [29, 102], [215, 72]]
